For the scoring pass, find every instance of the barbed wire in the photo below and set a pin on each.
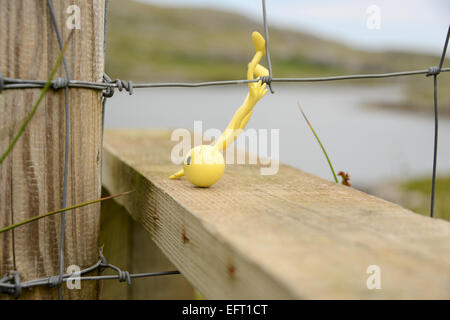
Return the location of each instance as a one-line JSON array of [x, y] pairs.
[[11, 284]]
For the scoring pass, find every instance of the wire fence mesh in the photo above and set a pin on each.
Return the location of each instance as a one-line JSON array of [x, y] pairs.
[[11, 283]]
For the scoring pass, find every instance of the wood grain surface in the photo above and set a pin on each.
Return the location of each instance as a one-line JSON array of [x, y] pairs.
[[127, 245], [289, 235], [31, 178]]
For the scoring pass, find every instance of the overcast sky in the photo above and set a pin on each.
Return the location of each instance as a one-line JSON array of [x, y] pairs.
[[417, 25]]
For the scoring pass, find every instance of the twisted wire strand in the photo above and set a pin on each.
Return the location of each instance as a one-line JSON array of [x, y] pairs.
[[12, 285], [58, 83], [435, 71], [267, 79], [11, 83], [104, 94]]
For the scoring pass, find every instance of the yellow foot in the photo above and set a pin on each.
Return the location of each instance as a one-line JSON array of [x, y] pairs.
[[177, 175]]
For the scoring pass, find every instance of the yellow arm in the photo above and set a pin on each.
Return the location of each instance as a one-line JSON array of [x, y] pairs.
[[256, 92], [260, 71]]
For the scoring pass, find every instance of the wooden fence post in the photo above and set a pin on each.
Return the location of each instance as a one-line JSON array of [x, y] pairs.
[[31, 177], [135, 252]]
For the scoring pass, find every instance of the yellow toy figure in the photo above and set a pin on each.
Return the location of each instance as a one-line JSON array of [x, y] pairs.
[[204, 165]]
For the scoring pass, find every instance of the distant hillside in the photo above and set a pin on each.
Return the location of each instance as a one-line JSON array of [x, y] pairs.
[[150, 43], [156, 43]]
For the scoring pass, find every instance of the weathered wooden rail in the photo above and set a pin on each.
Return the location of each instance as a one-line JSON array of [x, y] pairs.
[[290, 235]]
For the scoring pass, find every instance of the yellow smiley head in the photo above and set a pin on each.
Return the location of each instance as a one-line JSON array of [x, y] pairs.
[[204, 165]]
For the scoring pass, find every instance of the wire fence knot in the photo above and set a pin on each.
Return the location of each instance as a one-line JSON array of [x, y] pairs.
[[267, 80], [124, 276], [433, 71], [60, 83], [121, 275], [15, 288], [119, 84], [127, 85], [54, 281], [108, 92]]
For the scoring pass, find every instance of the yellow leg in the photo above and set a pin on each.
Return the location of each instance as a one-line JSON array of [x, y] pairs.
[[178, 174]]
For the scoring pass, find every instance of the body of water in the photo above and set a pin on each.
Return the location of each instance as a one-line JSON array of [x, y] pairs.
[[372, 145]]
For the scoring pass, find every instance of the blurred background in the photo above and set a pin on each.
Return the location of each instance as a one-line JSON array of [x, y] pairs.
[[380, 131]]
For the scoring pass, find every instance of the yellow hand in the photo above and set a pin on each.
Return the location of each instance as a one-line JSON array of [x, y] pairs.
[[205, 174], [257, 92]]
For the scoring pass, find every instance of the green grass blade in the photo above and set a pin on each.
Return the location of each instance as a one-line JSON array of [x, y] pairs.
[[18, 224], [37, 103], [320, 143]]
